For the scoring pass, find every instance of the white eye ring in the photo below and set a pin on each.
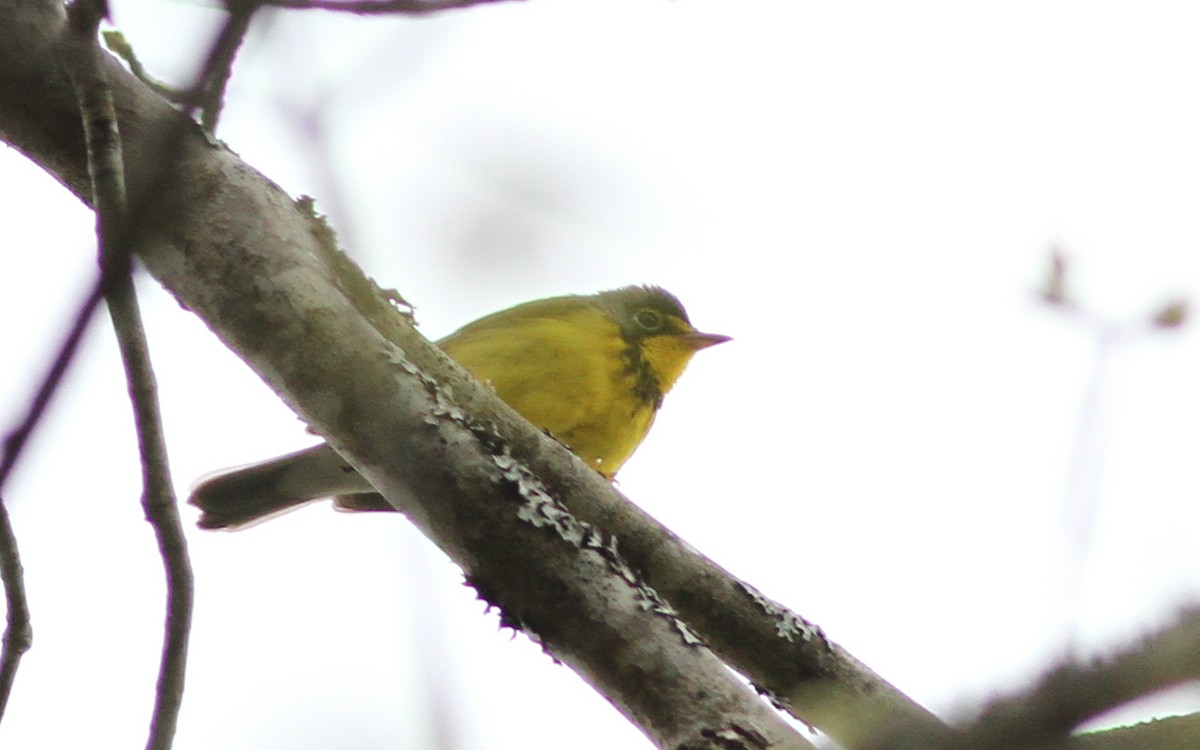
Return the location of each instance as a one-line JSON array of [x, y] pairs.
[[650, 320]]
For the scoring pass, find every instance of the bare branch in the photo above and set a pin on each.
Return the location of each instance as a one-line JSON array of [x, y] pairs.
[[18, 631], [783, 655], [16, 439], [207, 92], [116, 43], [209, 89], [18, 635], [1074, 693], [107, 169]]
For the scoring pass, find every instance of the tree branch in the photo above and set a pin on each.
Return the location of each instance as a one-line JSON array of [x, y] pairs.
[[208, 92], [18, 437], [18, 635], [18, 631], [81, 56], [1074, 693], [783, 655]]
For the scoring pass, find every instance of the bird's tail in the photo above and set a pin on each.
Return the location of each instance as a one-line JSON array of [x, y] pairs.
[[245, 496]]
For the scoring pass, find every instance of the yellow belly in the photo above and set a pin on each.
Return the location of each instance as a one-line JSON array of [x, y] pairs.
[[567, 376]]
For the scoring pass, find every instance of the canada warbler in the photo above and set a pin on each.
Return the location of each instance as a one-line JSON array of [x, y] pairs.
[[591, 370]]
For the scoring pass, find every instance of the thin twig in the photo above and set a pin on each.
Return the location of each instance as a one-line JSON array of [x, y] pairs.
[[159, 504], [106, 169], [117, 44], [1082, 496], [366, 7], [18, 634], [18, 437], [18, 630], [209, 90]]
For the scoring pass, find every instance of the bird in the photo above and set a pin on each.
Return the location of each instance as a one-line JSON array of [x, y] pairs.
[[590, 370]]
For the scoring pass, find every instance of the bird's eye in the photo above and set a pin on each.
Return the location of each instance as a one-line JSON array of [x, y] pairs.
[[650, 320]]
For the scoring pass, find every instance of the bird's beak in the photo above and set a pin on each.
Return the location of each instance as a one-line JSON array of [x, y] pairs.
[[698, 340]]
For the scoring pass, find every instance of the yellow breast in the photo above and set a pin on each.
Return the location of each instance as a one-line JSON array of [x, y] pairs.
[[567, 372]]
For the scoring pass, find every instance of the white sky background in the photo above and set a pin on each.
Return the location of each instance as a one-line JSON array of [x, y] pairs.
[[862, 194]]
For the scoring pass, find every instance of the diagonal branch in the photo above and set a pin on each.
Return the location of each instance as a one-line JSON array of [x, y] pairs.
[[782, 654], [1074, 693], [16, 439]]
